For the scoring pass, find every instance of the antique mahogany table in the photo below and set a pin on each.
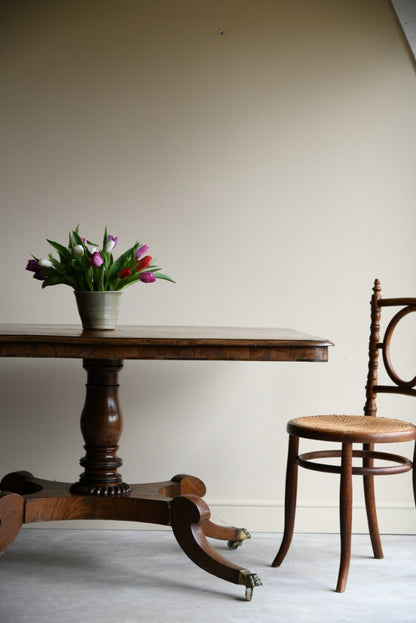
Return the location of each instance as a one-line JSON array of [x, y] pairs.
[[101, 493]]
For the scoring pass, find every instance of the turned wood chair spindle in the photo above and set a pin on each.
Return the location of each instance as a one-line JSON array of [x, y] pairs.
[[347, 430]]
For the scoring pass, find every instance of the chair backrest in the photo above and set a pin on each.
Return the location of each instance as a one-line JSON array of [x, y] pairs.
[[398, 386]]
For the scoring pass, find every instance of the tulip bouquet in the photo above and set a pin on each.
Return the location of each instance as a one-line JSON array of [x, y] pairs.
[[84, 267]]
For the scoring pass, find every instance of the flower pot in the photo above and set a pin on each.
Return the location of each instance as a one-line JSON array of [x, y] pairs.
[[98, 310]]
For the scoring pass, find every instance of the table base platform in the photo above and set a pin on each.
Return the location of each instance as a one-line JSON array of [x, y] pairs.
[[177, 503]]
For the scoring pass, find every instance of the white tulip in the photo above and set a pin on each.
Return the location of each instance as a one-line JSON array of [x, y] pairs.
[[45, 263], [79, 250]]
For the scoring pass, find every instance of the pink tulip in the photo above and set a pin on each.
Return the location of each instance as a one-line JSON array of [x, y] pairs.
[[96, 259], [141, 251], [147, 277]]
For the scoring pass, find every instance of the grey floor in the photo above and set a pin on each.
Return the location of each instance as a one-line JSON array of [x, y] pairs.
[[116, 576]]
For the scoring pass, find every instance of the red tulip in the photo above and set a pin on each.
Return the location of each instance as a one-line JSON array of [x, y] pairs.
[[124, 272], [143, 263]]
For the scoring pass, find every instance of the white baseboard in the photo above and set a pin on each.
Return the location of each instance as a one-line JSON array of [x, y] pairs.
[[314, 518]]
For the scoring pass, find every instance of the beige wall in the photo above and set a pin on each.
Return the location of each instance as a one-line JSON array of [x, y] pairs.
[[272, 171]]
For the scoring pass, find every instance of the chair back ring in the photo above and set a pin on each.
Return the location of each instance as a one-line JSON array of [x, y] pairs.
[[386, 348]]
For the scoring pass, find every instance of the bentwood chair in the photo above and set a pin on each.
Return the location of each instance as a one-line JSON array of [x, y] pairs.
[[347, 430]]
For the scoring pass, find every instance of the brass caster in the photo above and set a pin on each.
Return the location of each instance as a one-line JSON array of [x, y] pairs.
[[249, 593], [234, 544], [249, 580], [243, 535]]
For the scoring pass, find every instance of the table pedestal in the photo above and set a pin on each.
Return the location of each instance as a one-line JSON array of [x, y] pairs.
[[100, 493]]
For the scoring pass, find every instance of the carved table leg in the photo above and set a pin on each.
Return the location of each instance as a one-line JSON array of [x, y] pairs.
[[11, 518], [190, 484], [189, 517], [234, 536], [101, 426]]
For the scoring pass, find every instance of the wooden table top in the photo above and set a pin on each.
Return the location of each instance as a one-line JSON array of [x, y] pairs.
[[162, 342]]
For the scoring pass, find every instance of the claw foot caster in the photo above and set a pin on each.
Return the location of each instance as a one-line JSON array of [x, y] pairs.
[[249, 580], [243, 535]]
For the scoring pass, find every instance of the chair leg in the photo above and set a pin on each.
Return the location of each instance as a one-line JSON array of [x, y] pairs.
[[370, 505], [414, 474], [345, 515], [290, 499]]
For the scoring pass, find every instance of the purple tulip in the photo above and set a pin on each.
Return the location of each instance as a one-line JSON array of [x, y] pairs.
[[36, 269], [33, 266], [39, 275], [147, 277], [96, 259], [141, 251]]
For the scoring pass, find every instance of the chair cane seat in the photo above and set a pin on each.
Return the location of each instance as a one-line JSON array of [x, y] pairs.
[[352, 428]]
